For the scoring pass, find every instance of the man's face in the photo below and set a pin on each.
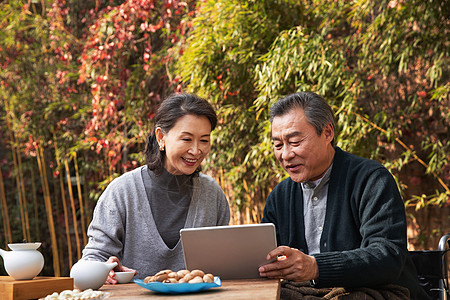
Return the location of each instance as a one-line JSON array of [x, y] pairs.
[[302, 153]]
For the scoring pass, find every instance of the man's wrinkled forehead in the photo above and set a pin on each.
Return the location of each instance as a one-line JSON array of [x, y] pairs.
[[286, 136], [287, 126]]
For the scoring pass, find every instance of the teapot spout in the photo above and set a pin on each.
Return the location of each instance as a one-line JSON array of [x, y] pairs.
[[111, 265]]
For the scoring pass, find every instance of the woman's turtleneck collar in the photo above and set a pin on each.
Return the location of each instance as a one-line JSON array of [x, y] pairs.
[[170, 181]]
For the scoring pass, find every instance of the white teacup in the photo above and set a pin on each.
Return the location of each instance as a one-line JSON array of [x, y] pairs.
[[124, 277]]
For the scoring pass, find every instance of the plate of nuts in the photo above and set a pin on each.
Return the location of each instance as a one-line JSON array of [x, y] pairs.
[[183, 281]]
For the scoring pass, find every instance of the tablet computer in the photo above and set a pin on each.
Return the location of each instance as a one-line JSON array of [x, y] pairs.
[[231, 252]]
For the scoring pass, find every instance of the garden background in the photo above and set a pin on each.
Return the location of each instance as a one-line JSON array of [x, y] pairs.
[[80, 81]]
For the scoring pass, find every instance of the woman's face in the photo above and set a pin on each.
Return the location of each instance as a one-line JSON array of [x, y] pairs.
[[186, 144]]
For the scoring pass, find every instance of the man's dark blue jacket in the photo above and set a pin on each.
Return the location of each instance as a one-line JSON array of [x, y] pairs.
[[363, 243]]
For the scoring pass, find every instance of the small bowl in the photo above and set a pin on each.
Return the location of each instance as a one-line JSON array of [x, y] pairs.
[[124, 277]]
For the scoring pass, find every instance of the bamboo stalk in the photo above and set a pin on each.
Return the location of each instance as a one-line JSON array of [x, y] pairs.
[[80, 199], [35, 203], [5, 214], [24, 198], [72, 202], [247, 215], [87, 207], [48, 209], [19, 190], [58, 228], [66, 215], [11, 135], [64, 203]]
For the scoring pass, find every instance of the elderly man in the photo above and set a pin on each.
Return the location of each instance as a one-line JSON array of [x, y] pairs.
[[340, 220]]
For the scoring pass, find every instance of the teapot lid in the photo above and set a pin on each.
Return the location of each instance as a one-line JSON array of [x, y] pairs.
[[24, 246]]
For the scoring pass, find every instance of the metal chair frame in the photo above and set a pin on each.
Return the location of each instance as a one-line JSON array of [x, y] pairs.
[[428, 262], [444, 246]]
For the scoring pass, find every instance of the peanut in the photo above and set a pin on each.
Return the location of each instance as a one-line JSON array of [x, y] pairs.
[[196, 279], [208, 278], [173, 275], [161, 277], [188, 277], [182, 273], [163, 272], [198, 273]]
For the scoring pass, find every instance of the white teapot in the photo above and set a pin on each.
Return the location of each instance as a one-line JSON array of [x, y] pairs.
[[90, 274], [24, 261]]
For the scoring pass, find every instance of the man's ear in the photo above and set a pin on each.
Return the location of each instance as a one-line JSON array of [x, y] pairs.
[[328, 131]]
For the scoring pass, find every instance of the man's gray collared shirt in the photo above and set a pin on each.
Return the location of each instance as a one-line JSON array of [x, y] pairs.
[[314, 209]]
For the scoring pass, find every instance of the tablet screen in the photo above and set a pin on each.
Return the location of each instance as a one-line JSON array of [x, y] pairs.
[[230, 252]]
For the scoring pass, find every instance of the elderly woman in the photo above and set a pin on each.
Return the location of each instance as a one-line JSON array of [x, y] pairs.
[[139, 215]]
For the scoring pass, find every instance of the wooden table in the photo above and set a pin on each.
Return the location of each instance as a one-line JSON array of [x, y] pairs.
[[244, 289]]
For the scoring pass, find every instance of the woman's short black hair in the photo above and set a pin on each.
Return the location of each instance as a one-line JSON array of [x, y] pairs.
[[168, 113]]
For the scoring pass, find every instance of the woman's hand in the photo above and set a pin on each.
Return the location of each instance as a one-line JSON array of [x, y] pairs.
[[118, 268], [291, 264]]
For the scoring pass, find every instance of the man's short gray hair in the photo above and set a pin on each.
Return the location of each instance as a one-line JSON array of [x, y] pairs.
[[317, 111]]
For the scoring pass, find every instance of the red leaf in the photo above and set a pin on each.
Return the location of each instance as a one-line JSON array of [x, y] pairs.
[[422, 94]]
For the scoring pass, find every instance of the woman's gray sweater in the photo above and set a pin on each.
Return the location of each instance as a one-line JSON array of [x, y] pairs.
[[123, 224]]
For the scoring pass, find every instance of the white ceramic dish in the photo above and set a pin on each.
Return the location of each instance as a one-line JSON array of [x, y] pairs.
[[124, 277]]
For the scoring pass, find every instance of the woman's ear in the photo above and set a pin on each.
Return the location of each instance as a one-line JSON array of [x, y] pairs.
[[159, 136]]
